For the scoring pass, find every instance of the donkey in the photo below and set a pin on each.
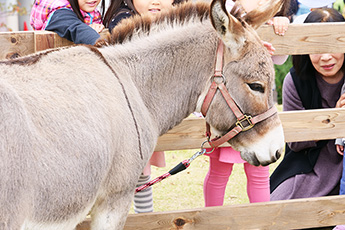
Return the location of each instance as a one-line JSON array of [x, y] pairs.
[[78, 124]]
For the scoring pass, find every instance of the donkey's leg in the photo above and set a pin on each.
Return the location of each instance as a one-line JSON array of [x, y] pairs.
[[112, 212]]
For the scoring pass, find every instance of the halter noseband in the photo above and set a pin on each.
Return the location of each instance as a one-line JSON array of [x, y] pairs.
[[244, 122]]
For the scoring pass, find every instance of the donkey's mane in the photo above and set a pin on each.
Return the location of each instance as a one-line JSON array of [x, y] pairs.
[[180, 14], [142, 25]]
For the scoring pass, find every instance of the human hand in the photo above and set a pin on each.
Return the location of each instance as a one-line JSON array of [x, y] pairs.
[[97, 27], [340, 149], [269, 47], [341, 102], [280, 24]]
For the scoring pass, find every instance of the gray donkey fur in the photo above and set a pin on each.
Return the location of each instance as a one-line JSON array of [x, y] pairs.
[[77, 125]]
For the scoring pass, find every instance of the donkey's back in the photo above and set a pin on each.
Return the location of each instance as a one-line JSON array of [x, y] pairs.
[[61, 136]]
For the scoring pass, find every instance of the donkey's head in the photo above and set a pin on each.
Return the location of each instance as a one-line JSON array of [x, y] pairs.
[[249, 78]]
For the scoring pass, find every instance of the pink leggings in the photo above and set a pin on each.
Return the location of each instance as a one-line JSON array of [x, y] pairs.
[[258, 189]]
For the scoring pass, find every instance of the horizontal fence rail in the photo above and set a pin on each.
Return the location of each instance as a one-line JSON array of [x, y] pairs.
[[317, 124], [18, 44], [307, 38], [299, 39], [273, 215], [298, 126]]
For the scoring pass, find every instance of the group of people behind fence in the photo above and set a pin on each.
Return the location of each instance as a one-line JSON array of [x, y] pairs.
[[309, 168]]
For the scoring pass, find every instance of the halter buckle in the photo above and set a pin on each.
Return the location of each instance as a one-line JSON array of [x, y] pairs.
[[247, 123]]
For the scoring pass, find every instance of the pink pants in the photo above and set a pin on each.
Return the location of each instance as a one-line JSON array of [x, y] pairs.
[[258, 188]]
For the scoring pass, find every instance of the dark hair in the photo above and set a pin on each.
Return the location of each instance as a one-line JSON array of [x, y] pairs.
[[115, 9], [285, 9], [302, 63], [76, 8], [293, 8], [119, 6]]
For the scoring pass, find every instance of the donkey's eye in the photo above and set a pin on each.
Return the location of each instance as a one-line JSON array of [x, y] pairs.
[[256, 87]]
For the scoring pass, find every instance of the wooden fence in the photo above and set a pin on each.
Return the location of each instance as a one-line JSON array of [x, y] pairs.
[[297, 125], [299, 39]]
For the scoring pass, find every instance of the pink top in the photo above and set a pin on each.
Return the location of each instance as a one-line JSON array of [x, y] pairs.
[[42, 11], [226, 155]]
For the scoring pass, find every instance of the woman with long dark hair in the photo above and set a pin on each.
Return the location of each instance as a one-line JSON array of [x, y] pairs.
[[311, 168]]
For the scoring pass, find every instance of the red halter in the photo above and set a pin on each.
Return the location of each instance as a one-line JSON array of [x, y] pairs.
[[244, 122]]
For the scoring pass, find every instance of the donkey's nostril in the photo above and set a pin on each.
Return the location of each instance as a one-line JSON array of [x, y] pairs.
[[278, 154]]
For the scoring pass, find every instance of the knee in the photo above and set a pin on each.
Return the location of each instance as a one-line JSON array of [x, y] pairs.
[[257, 174], [220, 169]]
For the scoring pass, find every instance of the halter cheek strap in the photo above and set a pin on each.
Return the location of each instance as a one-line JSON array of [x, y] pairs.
[[244, 122]]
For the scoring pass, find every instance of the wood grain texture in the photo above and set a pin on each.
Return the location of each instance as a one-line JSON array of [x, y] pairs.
[[16, 44], [275, 215], [44, 40], [318, 124], [299, 39], [307, 38]]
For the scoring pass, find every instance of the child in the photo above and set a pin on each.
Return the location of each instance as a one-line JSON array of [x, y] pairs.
[[222, 159], [76, 20], [117, 11]]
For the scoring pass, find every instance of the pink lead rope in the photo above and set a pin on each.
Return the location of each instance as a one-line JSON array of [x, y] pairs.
[[178, 168]]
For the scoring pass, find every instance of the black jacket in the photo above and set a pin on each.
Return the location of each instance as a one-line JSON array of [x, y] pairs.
[[124, 12], [301, 162]]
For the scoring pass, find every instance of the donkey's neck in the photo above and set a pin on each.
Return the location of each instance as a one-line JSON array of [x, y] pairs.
[[170, 71]]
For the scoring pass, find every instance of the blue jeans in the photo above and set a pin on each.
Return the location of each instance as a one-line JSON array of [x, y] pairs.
[[342, 181]]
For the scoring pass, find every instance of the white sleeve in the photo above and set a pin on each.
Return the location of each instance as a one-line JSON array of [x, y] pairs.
[[339, 141], [229, 4], [279, 59]]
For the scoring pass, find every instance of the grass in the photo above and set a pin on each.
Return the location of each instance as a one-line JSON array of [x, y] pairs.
[[185, 190]]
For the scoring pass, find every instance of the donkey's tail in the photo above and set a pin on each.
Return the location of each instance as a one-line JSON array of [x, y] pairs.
[[15, 155]]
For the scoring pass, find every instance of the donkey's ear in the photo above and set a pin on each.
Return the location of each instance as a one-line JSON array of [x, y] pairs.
[[263, 13], [229, 28]]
